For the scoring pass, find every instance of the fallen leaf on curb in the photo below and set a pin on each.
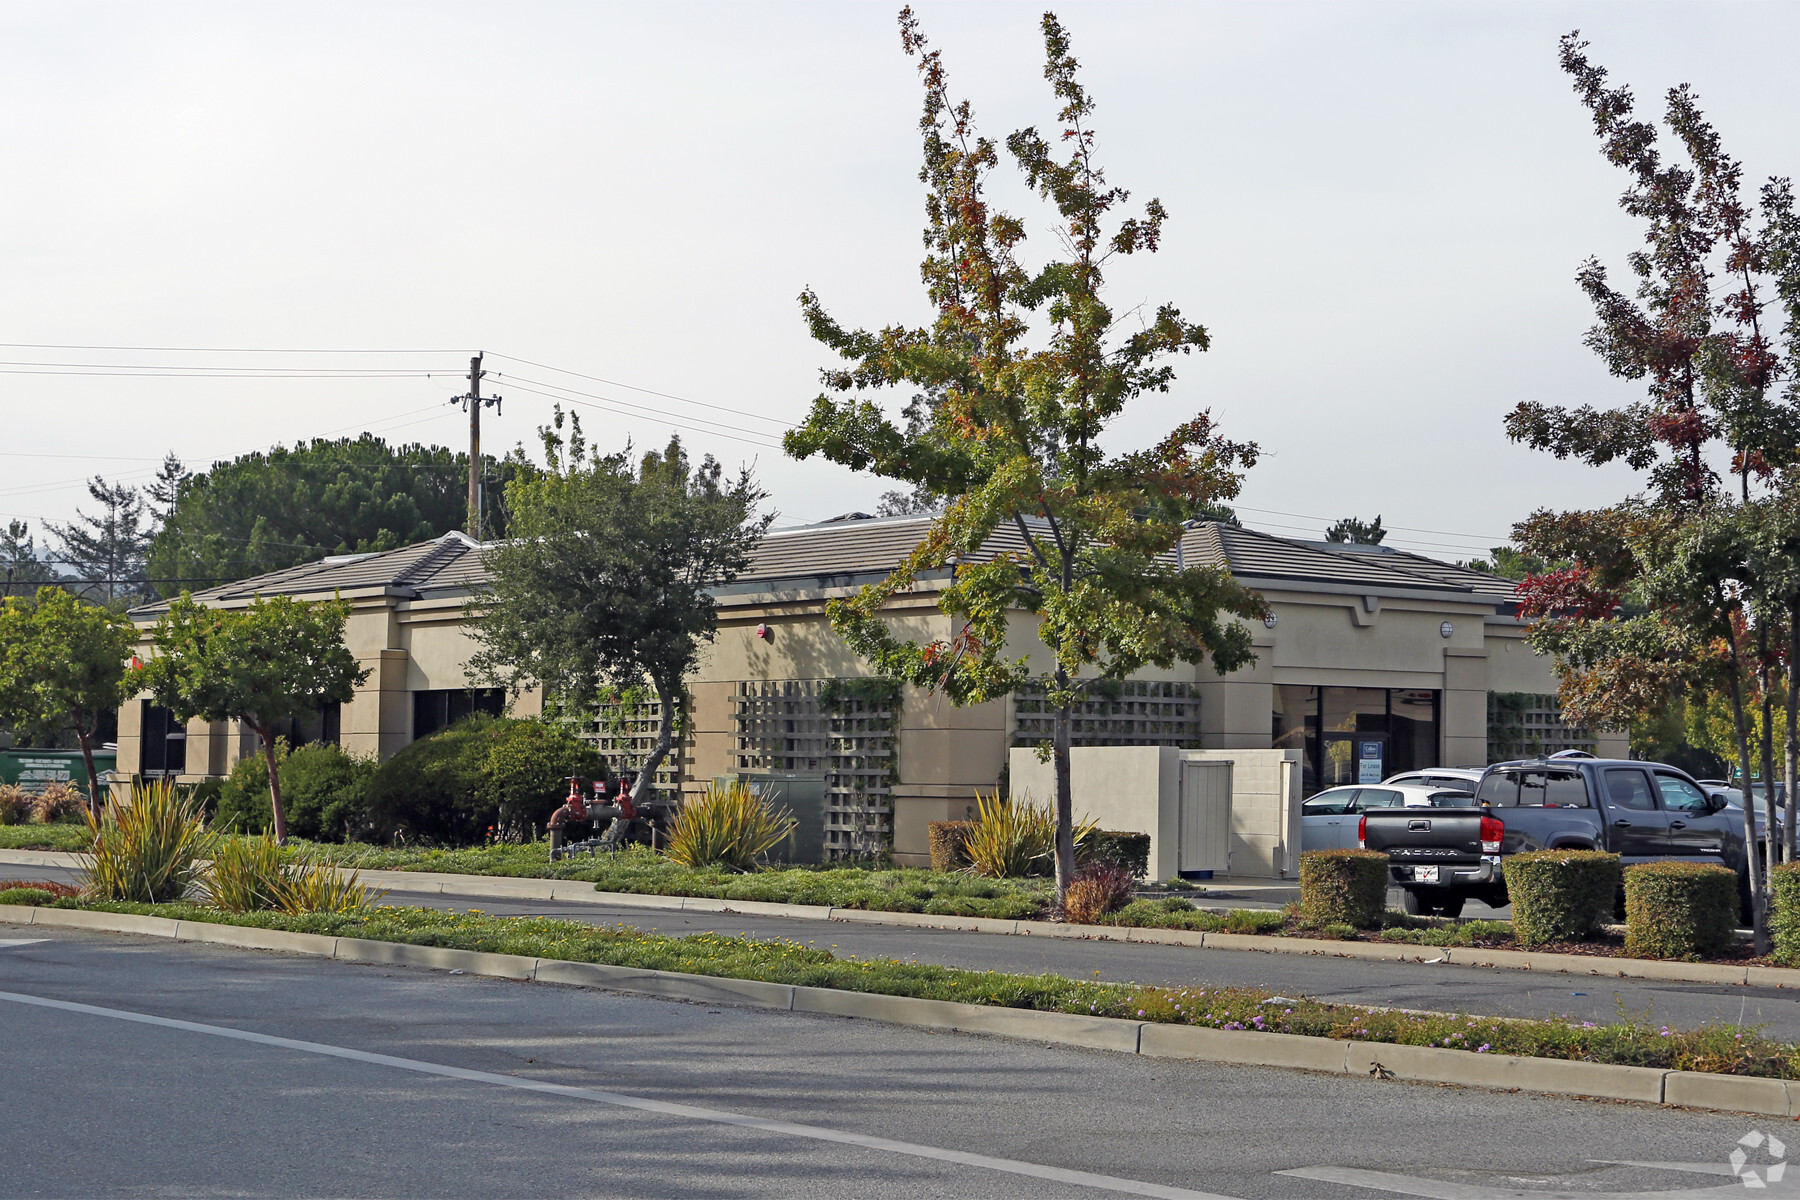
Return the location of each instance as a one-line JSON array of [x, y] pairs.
[[1380, 1072]]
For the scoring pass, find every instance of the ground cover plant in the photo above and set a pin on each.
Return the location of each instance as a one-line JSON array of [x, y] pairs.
[[1631, 1040], [63, 835]]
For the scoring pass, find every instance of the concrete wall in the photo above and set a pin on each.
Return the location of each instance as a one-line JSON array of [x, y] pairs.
[[1137, 789]]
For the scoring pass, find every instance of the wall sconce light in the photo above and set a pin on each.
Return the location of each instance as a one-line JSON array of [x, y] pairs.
[[1270, 621], [1446, 630], [765, 633]]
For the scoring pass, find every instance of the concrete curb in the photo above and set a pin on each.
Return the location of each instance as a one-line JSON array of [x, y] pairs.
[[1421, 1064], [510, 888]]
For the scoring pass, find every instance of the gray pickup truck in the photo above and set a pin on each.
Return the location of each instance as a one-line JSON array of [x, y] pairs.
[[1643, 812]]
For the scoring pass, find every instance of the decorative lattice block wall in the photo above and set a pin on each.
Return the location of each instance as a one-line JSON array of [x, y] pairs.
[[1527, 724], [1135, 712], [624, 729], [845, 730]]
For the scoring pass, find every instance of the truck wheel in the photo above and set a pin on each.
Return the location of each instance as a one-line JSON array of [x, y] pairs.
[[1410, 903], [1451, 908]]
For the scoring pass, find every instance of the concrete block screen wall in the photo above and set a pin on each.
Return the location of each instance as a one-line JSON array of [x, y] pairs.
[[1138, 789]]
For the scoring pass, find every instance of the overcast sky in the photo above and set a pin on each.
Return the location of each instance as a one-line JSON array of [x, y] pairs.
[[1376, 209]]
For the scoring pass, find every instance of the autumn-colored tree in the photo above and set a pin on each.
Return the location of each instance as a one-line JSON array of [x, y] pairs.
[[1013, 437], [1689, 547]]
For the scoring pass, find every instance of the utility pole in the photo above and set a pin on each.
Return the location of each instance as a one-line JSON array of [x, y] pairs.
[[472, 402]]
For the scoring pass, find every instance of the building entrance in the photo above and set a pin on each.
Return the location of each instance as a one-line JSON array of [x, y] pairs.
[[1355, 735]]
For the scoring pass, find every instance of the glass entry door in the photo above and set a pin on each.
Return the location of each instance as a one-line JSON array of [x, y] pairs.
[[1353, 758]]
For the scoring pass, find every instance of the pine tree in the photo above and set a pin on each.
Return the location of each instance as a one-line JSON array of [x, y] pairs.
[[21, 571], [108, 550]]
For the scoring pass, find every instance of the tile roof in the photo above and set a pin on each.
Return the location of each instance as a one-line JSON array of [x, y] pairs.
[[452, 561], [825, 554]]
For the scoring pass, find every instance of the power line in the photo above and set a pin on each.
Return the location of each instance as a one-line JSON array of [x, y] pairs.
[[215, 349], [749, 437], [647, 391]]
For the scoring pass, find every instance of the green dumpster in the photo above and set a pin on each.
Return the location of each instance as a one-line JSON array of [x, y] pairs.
[[35, 770]]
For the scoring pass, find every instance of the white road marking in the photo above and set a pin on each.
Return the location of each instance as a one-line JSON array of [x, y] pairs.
[[1129, 1187], [9, 943], [1436, 1189]]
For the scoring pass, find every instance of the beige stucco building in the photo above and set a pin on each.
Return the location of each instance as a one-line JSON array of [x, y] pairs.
[[1373, 661]]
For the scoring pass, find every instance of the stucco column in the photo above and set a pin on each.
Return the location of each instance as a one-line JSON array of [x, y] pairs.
[[1463, 722], [378, 719]]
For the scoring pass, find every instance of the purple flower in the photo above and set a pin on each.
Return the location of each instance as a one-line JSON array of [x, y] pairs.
[[1482, 1049]]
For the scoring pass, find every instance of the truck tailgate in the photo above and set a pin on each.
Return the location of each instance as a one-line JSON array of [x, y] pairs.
[[1424, 836]]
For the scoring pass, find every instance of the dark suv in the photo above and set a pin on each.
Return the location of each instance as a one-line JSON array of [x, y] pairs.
[[1643, 812]]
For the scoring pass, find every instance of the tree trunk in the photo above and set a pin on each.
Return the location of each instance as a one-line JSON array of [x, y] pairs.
[[1759, 911], [86, 735], [665, 741], [1065, 795], [268, 744], [1764, 681], [1791, 742]]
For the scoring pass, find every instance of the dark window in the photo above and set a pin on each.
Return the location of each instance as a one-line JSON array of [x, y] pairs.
[[1330, 725], [437, 710], [1552, 789], [163, 742], [1626, 788], [1452, 800], [1500, 790], [323, 726]]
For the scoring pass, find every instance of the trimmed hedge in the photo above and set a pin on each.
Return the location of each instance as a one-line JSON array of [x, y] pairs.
[[324, 790], [1784, 912], [947, 839], [1128, 850], [1679, 909], [1560, 895], [1343, 887]]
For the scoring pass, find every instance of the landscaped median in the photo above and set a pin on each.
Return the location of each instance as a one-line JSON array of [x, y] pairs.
[[1722, 1067]]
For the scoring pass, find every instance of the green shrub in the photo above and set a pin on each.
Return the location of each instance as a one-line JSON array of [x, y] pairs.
[[325, 790], [242, 803], [30, 897], [1128, 850], [482, 774], [149, 852], [524, 774], [1560, 895], [1784, 912], [56, 802], [1343, 887], [1679, 909], [728, 825], [947, 840]]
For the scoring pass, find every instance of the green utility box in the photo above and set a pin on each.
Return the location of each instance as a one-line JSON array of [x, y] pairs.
[[35, 770], [801, 795]]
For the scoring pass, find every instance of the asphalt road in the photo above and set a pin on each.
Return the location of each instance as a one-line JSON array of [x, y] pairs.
[[139, 1067], [1442, 987]]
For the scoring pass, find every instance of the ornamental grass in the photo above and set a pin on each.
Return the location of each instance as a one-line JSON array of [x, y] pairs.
[[727, 826], [149, 851]]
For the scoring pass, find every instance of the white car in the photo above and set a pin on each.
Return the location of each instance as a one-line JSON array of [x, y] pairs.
[[1463, 778], [1328, 821]]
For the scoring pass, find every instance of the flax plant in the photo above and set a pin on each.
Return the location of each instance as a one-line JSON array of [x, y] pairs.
[[150, 851], [1011, 839], [728, 826]]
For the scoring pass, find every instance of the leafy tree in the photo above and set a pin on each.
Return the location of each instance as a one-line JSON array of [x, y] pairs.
[[324, 790], [281, 659], [21, 570], [606, 580], [270, 510], [1356, 532], [108, 550], [1018, 439], [1509, 563], [1714, 587], [64, 666]]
